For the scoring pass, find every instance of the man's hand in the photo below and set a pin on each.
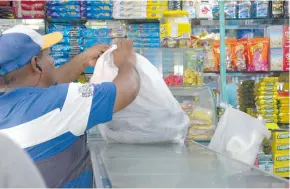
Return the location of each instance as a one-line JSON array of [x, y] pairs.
[[92, 54], [124, 54]]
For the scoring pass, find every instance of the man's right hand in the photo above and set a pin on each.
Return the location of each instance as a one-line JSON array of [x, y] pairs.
[[124, 54]]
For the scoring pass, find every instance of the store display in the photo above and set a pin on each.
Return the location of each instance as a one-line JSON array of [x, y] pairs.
[[230, 9], [260, 9], [246, 97], [204, 10], [193, 69], [277, 9], [244, 9], [63, 9], [190, 7], [6, 10], [130, 9]]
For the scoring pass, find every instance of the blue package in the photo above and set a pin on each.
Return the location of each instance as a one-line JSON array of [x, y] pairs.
[[67, 33], [260, 9], [61, 61], [57, 55], [138, 34], [97, 8], [215, 11], [146, 40], [244, 9], [68, 40], [245, 34], [102, 15], [61, 2], [146, 45], [62, 27], [100, 40], [230, 9], [54, 14], [65, 8], [65, 48], [144, 26], [96, 2], [101, 32]]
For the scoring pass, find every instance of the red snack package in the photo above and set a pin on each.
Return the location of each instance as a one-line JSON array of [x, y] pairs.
[[240, 55], [4, 3], [258, 54], [286, 58]]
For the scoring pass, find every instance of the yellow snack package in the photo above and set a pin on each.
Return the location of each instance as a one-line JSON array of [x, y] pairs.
[[266, 102], [157, 2], [284, 110], [270, 79], [272, 126], [267, 97], [259, 89], [268, 111], [267, 107], [266, 93], [279, 137], [267, 84], [281, 148], [281, 159], [282, 171]]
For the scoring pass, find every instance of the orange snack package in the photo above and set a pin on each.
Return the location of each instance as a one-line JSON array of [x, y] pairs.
[[240, 55], [231, 67], [258, 54]]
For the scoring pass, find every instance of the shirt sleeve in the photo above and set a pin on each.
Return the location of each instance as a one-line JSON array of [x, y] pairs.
[[87, 105]]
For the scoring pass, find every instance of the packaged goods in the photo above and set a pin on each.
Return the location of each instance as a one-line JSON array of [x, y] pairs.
[[174, 5], [244, 9], [260, 9], [54, 14], [99, 15], [157, 2], [61, 2], [240, 55], [282, 171], [280, 148], [97, 3], [204, 10], [266, 166], [277, 9], [99, 8], [275, 33], [230, 9], [65, 8], [230, 64], [281, 159], [258, 50], [190, 6], [100, 32], [280, 137]]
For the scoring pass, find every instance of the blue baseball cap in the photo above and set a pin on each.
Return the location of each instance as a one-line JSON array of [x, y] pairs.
[[20, 43]]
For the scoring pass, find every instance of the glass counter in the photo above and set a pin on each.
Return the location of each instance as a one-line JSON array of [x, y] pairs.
[[172, 166]]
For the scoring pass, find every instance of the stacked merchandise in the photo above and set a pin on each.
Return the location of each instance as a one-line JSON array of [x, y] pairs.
[[286, 48], [283, 107], [97, 9], [281, 153], [201, 121], [155, 8], [246, 97], [144, 35], [130, 9], [190, 7], [249, 55], [29, 9], [265, 159], [69, 46], [266, 100], [6, 10], [91, 37], [260, 9], [63, 9]]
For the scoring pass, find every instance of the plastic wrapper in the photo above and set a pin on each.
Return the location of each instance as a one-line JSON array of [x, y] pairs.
[[56, 14], [57, 55], [68, 41], [99, 15], [100, 8], [62, 27], [67, 33], [153, 26], [240, 55], [65, 48], [89, 42], [229, 54], [97, 3], [260, 9], [244, 9], [230, 9], [61, 2], [100, 32], [258, 51], [32, 5], [143, 34], [64, 8], [147, 40], [118, 3], [277, 9], [157, 2]]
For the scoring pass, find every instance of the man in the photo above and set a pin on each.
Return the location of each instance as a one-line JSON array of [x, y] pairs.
[[49, 119], [16, 168]]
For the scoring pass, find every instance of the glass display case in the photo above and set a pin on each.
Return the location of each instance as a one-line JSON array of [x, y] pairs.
[[172, 166]]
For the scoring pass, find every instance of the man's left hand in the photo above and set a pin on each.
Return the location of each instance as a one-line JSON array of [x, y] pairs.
[[92, 54]]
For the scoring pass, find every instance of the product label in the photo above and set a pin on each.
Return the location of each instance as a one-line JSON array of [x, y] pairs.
[[284, 147], [282, 169], [283, 136], [283, 158]]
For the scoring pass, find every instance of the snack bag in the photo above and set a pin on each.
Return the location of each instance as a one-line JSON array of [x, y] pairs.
[[240, 55], [231, 67], [258, 51]]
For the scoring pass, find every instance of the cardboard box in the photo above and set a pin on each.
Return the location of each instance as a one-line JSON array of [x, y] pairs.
[[281, 159], [276, 59], [276, 35], [281, 137], [282, 171]]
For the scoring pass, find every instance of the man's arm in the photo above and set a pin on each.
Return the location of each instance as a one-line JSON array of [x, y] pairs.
[[70, 71]]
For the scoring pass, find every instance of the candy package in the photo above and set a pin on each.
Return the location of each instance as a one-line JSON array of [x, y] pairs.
[[32, 5], [57, 55], [240, 55], [146, 45], [230, 64], [88, 42], [32, 14], [210, 61], [258, 51], [245, 34], [147, 40], [61, 2], [143, 34], [65, 48], [154, 26], [68, 40], [101, 8], [61, 61], [98, 15], [97, 3], [61, 27]]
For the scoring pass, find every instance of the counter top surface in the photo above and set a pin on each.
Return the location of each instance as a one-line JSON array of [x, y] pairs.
[[174, 166]]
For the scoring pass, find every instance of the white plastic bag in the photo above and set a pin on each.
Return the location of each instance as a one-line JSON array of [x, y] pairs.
[[154, 116], [239, 136]]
